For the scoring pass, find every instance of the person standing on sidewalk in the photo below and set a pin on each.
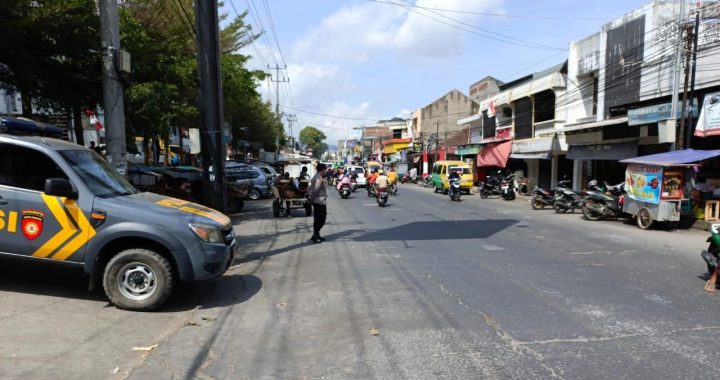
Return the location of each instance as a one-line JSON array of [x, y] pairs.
[[318, 199]]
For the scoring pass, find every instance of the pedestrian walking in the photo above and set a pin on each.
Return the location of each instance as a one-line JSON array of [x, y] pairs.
[[318, 198]]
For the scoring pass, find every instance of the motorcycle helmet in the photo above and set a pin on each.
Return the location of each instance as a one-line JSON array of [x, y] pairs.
[[381, 171]]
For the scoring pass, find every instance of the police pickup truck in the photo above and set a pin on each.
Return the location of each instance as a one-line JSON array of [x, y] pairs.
[[62, 202]]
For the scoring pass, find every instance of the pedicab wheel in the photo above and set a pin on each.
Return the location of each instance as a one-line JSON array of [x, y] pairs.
[[644, 219], [308, 209], [276, 208], [537, 204]]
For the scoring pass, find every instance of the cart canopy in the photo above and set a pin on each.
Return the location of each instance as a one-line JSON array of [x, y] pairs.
[[685, 157]]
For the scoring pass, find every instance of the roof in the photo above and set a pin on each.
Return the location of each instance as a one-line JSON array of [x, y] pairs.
[[48, 142], [550, 70], [685, 157]]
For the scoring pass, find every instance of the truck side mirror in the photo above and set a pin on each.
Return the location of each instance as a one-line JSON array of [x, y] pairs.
[[60, 187]]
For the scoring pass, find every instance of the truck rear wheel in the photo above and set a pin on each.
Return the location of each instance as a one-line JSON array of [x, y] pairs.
[[138, 279]]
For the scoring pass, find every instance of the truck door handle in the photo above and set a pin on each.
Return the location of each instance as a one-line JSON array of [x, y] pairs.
[[2, 201]]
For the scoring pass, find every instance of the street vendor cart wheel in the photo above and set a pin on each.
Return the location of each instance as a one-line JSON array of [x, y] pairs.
[[308, 209], [644, 218], [276, 208]]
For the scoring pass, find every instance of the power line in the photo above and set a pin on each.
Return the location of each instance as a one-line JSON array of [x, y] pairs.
[[498, 14], [274, 32], [459, 27], [252, 39]]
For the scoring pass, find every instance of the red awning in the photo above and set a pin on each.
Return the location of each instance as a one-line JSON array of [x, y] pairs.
[[494, 154]]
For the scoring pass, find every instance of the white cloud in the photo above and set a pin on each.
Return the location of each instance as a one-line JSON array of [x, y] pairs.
[[358, 32]]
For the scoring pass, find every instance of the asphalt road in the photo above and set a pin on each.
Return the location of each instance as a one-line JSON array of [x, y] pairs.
[[425, 288]]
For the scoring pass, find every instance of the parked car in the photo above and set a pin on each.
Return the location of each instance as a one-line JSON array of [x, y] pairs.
[[261, 181], [361, 180]]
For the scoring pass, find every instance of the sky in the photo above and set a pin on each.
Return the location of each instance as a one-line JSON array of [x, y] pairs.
[[352, 62]]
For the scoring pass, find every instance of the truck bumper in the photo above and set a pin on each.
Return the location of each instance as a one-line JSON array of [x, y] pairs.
[[210, 260]]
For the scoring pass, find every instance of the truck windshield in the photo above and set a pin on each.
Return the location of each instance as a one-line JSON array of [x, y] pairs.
[[100, 177]]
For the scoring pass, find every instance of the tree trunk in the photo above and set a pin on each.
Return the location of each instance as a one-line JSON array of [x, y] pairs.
[[77, 123], [26, 104]]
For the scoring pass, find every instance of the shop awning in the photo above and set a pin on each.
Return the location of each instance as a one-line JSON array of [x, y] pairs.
[[674, 158], [531, 156], [533, 149], [610, 152], [494, 154]]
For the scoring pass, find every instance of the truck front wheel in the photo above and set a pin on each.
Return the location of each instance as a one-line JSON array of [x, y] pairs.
[[138, 279]]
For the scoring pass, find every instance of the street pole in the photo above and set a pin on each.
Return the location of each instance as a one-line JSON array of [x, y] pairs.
[[672, 121], [681, 133], [211, 105], [437, 139], [277, 81], [690, 116], [112, 86]]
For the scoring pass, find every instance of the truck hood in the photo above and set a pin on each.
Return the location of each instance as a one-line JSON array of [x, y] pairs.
[[162, 206]]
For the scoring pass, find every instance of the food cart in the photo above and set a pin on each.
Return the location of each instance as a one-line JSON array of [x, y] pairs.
[[655, 184]]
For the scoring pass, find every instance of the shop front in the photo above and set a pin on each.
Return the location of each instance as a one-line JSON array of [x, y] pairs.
[[493, 156], [543, 159]]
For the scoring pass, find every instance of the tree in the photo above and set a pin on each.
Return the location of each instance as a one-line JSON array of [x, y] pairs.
[[314, 138], [50, 54]]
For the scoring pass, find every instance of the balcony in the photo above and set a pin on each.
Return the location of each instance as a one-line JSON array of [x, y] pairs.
[[548, 127]]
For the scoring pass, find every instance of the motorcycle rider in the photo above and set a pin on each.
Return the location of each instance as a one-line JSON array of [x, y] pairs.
[[382, 181], [371, 180], [344, 181], [455, 174], [392, 177]]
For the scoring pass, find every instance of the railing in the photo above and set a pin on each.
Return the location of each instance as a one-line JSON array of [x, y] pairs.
[[504, 123], [546, 127]]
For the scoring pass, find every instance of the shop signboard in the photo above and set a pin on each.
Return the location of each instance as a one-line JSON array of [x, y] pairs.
[[467, 150], [643, 182], [709, 122], [656, 113]]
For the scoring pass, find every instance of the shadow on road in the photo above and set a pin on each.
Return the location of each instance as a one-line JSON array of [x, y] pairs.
[[64, 281], [440, 230]]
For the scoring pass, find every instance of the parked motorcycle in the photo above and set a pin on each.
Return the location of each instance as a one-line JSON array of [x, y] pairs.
[[345, 191], [491, 185], [566, 198], [407, 178], [599, 205], [508, 187], [711, 254], [542, 198], [454, 189], [382, 197], [427, 181]]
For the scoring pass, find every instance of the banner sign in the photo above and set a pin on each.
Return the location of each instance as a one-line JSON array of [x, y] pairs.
[[657, 112], [708, 123], [643, 183]]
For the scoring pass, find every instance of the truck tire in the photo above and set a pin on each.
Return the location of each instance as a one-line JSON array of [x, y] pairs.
[[138, 279]]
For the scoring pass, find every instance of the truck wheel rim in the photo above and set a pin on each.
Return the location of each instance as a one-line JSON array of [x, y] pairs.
[[137, 281]]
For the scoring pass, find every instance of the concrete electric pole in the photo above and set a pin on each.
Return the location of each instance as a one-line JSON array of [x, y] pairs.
[[672, 122], [113, 104], [277, 82], [211, 105]]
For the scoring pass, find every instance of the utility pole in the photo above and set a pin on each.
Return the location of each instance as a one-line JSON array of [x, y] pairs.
[[437, 139], [292, 118], [211, 105], [672, 121], [277, 81], [112, 86], [690, 126], [681, 133]]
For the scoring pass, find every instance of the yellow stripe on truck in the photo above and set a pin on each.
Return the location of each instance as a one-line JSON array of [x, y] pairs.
[[67, 230], [87, 232]]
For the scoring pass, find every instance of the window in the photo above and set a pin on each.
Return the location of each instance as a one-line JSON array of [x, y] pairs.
[[443, 169], [463, 170], [397, 133], [436, 169], [97, 174], [26, 168]]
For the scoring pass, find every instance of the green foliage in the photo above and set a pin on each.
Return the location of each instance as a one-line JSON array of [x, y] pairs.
[[314, 138], [50, 53]]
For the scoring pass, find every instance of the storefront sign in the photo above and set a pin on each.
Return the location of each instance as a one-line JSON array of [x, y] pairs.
[[655, 113], [672, 185], [467, 150], [643, 183], [709, 122]]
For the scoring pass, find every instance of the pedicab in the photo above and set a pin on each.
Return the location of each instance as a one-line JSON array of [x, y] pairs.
[[288, 197], [655, 184]]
